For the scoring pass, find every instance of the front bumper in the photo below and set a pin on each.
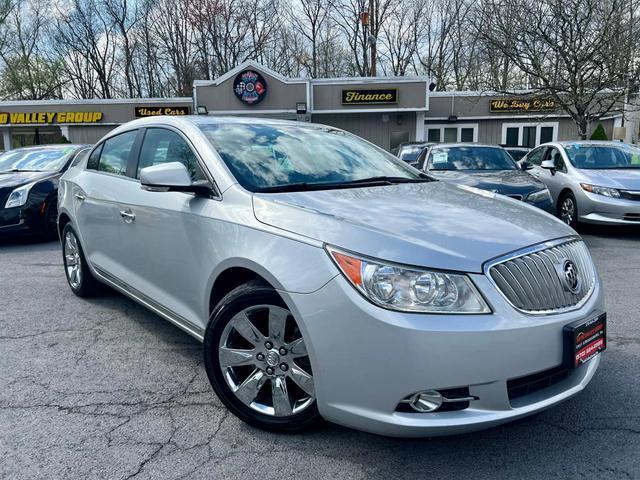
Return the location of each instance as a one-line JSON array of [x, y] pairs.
[[598, 209], [25, 220], [366, 359], [546, 205]]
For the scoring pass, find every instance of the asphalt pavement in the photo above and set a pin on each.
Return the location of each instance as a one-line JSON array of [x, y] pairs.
[[104, 389]]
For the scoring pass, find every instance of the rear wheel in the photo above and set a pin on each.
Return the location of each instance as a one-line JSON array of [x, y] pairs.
[[257, 361], [79, 277], [568, 209]]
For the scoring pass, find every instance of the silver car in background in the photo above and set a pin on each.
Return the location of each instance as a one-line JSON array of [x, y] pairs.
[[326, 278], [590, 181]]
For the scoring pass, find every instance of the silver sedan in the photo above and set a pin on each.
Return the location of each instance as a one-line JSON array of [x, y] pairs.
[[328, 279], [591, 182]]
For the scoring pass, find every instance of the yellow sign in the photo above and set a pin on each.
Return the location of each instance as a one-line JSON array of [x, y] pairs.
[[522, 105], [29, 118], [369, 96], [152, 111]]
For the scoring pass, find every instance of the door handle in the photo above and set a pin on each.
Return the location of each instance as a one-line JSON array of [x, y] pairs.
[[127, 215], [79, 196]]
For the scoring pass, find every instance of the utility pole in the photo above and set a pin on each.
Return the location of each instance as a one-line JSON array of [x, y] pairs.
[[372, 38]]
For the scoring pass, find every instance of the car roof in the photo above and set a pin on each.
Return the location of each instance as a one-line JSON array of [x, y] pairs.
[[466, 144], [415, 144], [53, 146], [587, 142], [190, 121], [200, 120]]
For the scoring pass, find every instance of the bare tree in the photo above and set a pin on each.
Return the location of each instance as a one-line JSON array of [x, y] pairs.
[[576, 51], [30, 72], [87, 33], [400, 36], [123, 16], [308, 18]]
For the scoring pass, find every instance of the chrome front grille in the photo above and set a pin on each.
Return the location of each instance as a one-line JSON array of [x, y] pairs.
[[536, 280]]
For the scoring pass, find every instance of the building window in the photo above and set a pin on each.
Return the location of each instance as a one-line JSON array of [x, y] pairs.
[[433, 135], [452, 133], [528, 134]]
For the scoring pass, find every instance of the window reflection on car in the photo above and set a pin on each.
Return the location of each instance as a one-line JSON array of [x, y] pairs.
[[34, 160], [470, 158], [269, 156], [603, 157]]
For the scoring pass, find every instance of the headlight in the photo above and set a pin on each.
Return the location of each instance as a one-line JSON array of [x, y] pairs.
[[606, 191], [539, 196], [19, 196], [410, 289]]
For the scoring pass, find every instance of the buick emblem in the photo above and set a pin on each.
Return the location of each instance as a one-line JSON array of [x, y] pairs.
[[570, 276]]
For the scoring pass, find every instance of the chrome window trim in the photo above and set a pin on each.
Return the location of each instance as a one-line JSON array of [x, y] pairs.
[[538, 247], [217, 192]]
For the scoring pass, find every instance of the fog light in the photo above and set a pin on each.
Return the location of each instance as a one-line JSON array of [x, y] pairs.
[[427, 401]]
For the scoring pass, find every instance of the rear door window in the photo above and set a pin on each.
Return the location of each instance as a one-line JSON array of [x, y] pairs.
[[114, 154], [81, 155]]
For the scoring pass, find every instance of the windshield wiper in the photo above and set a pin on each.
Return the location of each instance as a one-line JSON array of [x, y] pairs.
[[16, 170], [306, 186], [389, 180], [290, 187]]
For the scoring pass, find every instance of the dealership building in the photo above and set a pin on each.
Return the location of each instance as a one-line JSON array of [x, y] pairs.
[[385, 110]]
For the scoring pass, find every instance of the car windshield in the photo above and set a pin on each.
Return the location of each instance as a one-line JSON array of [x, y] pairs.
[[265, 157], [34, 159], [410, 154], [470, 158], [603, 157]]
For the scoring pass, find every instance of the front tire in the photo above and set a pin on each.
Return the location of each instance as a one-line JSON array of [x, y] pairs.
[[257, 361], [568, 210], [79, 277]]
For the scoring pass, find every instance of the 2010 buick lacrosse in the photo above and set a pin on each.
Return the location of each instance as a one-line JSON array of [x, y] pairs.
[[327, 278]]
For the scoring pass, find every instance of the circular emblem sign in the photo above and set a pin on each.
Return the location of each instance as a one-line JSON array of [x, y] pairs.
[[250, 87]]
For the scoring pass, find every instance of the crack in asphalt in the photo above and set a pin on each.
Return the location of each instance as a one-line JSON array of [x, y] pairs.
[[106, 389]]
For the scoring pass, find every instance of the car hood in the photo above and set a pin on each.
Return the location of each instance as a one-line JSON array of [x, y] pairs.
[[502, 181], [17, 179], [433, 224], [623, 178]]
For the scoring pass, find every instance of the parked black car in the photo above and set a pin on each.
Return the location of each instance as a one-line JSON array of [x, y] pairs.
[[487, 167], [29, 187]]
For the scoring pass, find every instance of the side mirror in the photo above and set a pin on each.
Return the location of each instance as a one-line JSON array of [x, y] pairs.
[[526, 165], [171, 177], [549, 165]]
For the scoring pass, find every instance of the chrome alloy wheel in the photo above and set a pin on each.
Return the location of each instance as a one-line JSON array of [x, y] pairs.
[[265, 362], [568, 210], [72, 262]]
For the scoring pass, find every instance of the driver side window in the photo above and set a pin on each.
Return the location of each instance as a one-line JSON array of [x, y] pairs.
[[163, 146], [555, 155], [535, 157]]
